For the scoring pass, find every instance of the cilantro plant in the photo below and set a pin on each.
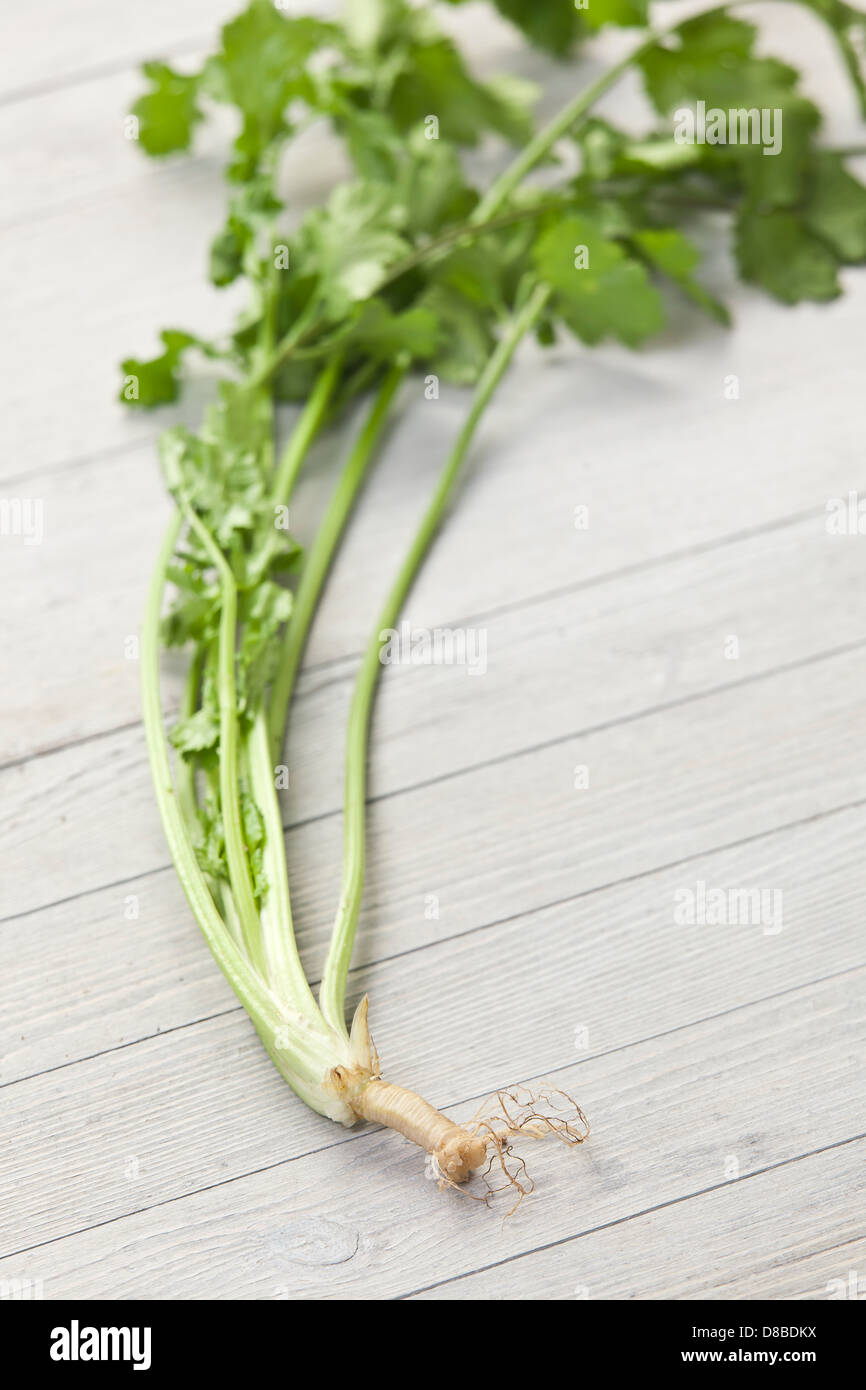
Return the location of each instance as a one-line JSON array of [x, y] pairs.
[[408, 267]]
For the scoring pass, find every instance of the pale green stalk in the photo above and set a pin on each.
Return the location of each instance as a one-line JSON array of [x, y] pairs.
[[240, 877], [284, 970], [303, 1047], [305, 430], [332, 990], [244, 980], [321, 554]]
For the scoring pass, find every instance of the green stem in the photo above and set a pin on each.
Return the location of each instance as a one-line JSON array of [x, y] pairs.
[[236, 855], [564, 120], [186, 792], [305, 430], [270, 361], [285, 973], [333, 987], [321, 555], [247, 985]]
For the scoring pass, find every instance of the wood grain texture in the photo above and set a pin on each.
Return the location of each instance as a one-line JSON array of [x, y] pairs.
[[742, 1256], [515, 925], [356, 1218], [552, 978]]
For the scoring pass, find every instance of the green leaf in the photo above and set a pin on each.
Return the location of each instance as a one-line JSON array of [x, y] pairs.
[[629, 14], [703, 60], [227, 252], [384, 335], [197, 734], [431, 186], [351, 243], [599, 291], [836, 209], [710, 61], [550, 24], [253, 824], [265, 609], [465, 335], [155, 382], [369, 23], [433, 81], [776, 251], [210, 849], [261, 67], [168, 114], [251, 211], [674, 255]]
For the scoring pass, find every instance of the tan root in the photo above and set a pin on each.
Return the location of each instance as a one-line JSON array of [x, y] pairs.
[[482, 1146], [454, 1150]]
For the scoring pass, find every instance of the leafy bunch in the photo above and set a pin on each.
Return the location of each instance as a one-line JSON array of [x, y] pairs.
[[407, 265]]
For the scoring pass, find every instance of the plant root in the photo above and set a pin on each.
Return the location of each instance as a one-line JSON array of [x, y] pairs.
[[455, 1152], [514, 1112]]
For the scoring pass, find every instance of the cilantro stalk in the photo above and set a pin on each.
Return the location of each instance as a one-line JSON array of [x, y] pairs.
[[332, 990], [241, 976], [240, 878], [321, 555]]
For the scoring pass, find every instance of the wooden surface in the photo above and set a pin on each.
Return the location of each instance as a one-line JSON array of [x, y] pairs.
[[148, 1147]]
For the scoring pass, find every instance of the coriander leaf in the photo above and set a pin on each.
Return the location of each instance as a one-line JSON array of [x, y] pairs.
[[776, 251], [431, 186], [599, 292], [253, 824], [836, 208], [155, 382], [227, 252], [433, 81], [369, 23], [465, 335], [628, 13], [383, 335], [550, 24], [210, 849], [260, 68], [265, 609], [233, 250], [674, 255], [351, 243], [168, 114], [710, 62], [197, 734]]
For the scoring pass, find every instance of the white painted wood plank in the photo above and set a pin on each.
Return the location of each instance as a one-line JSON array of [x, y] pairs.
[[671, 783], [154, 973], [54, 43], [85, 1124], [791, 1233], [357, 1219], [103, 524], [616, 964]]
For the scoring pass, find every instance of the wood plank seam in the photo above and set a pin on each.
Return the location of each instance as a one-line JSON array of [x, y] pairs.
[[470, 620], [648, 1211], [116, 67], [527, 751], [371, 1130]]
